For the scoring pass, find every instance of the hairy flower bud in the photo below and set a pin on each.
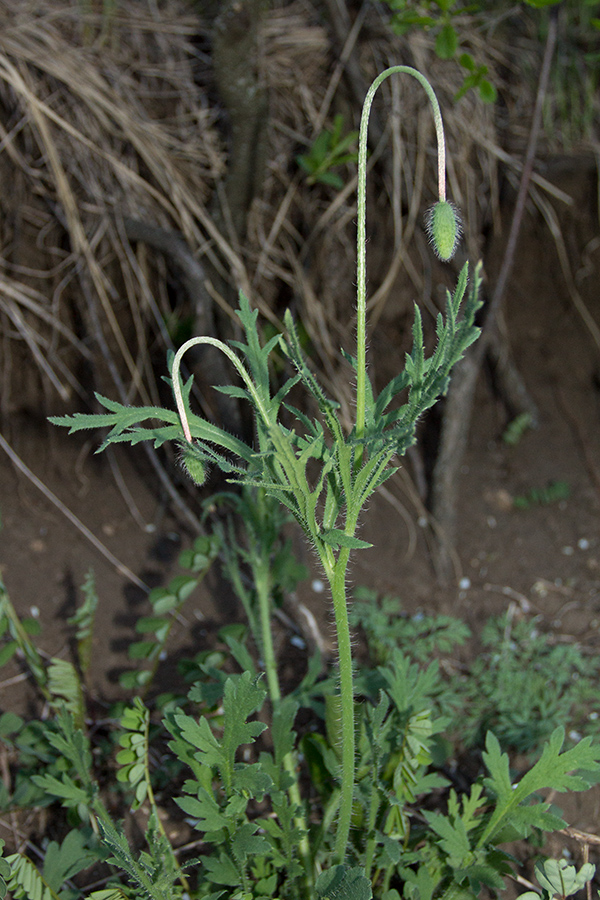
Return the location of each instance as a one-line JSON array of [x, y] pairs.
[[444, 228], [193, 464]]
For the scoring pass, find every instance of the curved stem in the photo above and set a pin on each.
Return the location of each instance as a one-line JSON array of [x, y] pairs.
[[361, 237], [282, 445], [176, 381]]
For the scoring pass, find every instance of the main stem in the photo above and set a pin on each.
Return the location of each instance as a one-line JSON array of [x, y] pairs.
[[336, 575], [361, 234]]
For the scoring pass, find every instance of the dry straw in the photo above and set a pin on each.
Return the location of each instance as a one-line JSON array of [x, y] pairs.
[[105, 129], [104, 120], [101, 121]]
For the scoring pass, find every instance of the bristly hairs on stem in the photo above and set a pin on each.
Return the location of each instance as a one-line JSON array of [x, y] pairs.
[[445, 223], [176, 380]]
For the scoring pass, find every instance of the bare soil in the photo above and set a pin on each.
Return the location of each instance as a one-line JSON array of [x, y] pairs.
[[545, 558]]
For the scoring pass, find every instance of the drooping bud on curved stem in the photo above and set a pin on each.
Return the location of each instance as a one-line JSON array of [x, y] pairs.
[[445, 221]]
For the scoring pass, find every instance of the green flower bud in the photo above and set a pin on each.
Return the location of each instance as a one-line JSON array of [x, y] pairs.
[[444, 228], [194, 465]]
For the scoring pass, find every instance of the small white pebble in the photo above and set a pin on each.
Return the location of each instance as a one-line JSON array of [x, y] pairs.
[[567, 551], [318, 586], [297, 641], [422, 521], [574, 735], [35, 612], [593, 716], [163, 655], [464, 584], [583, 544], [491, 520]]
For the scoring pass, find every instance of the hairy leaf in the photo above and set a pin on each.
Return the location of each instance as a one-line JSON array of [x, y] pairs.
[[574, 769], [67, 859], [343, 883]]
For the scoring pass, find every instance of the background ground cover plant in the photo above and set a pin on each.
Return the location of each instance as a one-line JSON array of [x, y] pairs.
[[404, 738], [554, 680]]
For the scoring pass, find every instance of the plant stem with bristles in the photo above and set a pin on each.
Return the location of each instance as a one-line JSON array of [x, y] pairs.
[[361, 236]]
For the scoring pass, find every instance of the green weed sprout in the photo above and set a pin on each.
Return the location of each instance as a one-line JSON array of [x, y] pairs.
[[558, 879], [349, 466], [330, 149]]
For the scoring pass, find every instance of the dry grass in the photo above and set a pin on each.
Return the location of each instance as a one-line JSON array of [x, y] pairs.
[[105, 121], [101, 121]]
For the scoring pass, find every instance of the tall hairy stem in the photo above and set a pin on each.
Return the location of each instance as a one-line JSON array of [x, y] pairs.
[[361, 234], [336, 575]]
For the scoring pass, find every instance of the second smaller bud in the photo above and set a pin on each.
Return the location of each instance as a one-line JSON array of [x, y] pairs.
[[193, 464]]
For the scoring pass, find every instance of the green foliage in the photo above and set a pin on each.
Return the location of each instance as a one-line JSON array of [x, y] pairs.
[[514, 815], [552, 680], [557, 878], [26, 881], [167, 603], [74, 784], [343, 883], [555, 681], [66, 689], [280, 465], [4, 873], [133, 758], [236, 793], [552, 493], [253, 536], [330, 150], [62, 862], [84, 622], [439, 16], [18, 632], [240, 802], [387, 626], [571, 110], [515, 430]]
